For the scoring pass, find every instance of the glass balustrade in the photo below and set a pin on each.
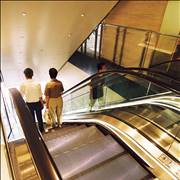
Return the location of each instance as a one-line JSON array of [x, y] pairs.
[[117, 88]]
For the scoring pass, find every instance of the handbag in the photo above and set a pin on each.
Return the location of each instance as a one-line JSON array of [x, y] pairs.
[[47, 117]]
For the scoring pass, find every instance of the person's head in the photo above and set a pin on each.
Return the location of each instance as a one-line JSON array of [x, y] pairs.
[[101, 67], [28, 72], [53, 73]]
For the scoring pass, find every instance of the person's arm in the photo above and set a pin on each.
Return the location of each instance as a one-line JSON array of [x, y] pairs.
[[47, 102], [40, 96], [46, 93]]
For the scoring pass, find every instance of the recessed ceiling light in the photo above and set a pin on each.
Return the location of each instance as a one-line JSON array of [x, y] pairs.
[[24, 13], [69, 35], [82, 15]]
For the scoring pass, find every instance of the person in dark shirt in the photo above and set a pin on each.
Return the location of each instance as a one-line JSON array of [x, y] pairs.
[[54, 102], [96, 87]]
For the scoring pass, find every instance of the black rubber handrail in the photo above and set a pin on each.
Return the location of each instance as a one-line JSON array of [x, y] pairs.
[[152, 71], [44, 162], [131, 72], [165, 62]]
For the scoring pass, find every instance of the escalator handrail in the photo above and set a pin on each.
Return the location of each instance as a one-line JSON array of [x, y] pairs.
[[165, 62], [131, 72], [43, 160], [152, 71]]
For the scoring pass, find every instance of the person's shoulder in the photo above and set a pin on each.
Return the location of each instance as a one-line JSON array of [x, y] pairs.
[[23, 84], [48, 83], [58, 81], [36, 83]]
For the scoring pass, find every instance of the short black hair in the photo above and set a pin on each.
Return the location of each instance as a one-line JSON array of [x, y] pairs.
[[53, 73], [100, 66], [28, 72]]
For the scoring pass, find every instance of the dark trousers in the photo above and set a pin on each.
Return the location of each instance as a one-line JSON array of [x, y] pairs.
[[35, 108]]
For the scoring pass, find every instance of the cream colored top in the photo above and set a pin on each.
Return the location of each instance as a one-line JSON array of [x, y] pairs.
[[31, 91]]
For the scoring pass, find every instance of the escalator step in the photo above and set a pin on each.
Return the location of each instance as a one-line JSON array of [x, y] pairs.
[[73, 139], [61, 131], [123, 167], [84, 157]]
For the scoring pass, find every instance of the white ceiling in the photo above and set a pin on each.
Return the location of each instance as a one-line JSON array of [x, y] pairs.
[[44, 34]]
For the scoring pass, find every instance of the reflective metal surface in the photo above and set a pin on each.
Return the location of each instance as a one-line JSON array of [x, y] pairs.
[[86, 153], [144, 148]]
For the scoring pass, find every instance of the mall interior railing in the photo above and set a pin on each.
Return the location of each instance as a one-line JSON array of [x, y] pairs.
[[125, 89], [118, 86], [130, 47], [160, 75]]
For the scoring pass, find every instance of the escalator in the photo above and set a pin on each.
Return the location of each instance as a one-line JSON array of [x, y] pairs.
[[128, 137]]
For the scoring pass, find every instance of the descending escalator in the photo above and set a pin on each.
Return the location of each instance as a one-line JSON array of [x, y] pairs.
[[82, 152], [128, 137]]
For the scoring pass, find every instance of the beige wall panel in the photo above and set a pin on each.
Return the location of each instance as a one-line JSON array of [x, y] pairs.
[[132, 50], [43, 34], [139, 14], [109, 35]]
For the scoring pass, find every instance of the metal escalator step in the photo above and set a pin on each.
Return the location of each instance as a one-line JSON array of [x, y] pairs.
[[123, 167], [73, 139], [61, 131], [80, 159]]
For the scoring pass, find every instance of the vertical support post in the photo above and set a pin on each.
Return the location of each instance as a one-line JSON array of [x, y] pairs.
[[116, 44], [85, 47], [154, 49], [95, 45], [101, 36], [122, 46], [149, 86], [145, 48], [174, 50], [81, 48]]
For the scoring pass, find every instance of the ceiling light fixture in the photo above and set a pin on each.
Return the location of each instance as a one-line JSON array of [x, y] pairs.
[[82, 15], [24, 13]]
